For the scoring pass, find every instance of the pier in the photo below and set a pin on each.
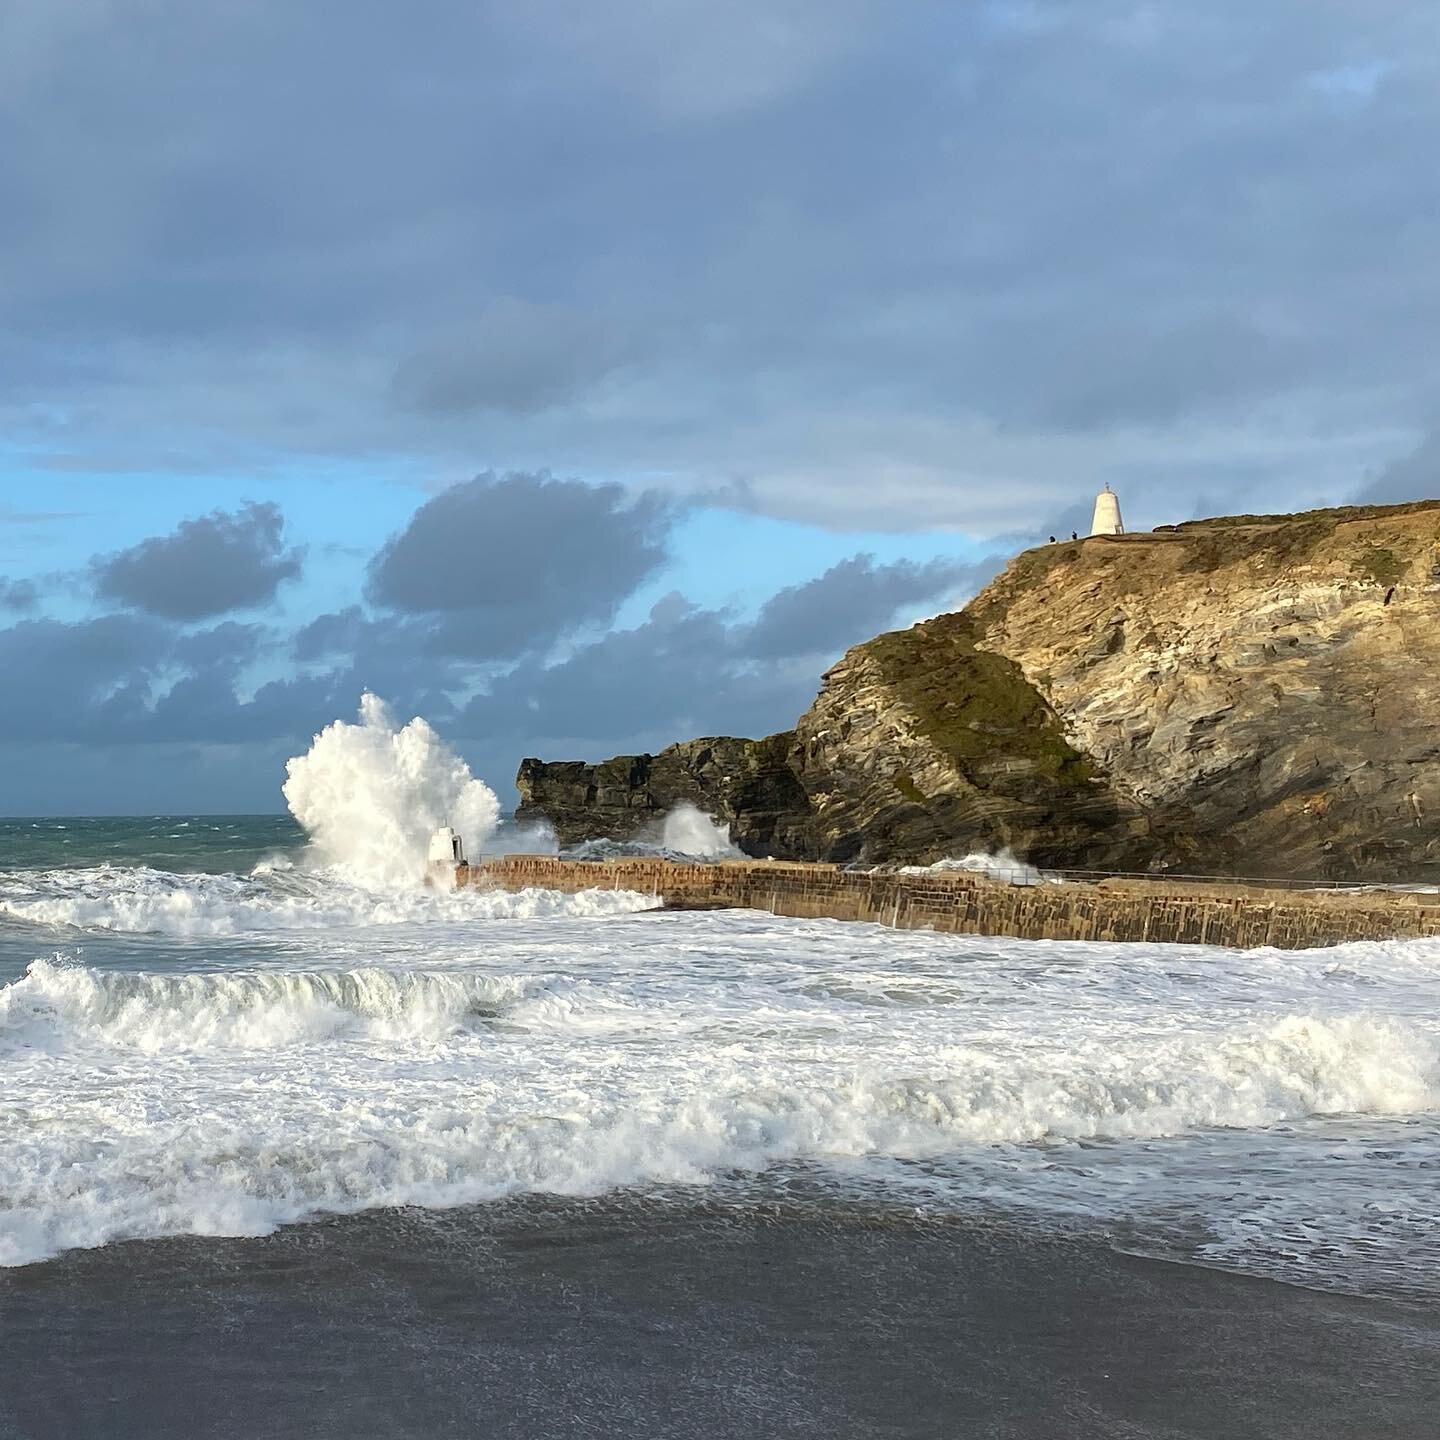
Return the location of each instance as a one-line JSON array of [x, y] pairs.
[[1237, 914]]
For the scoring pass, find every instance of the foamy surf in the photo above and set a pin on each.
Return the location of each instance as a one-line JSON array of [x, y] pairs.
[[223, 1053], [142, 901], [239, 1101], [204, 1172], [59, 1005]]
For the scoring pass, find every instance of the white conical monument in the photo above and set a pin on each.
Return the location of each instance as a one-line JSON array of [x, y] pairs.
[[446, 855], [1107, 514]]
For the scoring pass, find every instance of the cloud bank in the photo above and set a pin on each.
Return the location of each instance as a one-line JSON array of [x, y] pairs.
[[491, 611], [872, 266]]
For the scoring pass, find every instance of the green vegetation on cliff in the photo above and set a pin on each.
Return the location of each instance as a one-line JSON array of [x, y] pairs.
[[972, 704]]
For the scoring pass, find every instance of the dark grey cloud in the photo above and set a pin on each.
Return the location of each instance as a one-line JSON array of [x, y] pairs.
[[204, 707], [135, 680], [85, 680], [517, 357], [682, 672], [398, 656], [501, 565], [223, 561], [687, 670], [338, 632], [1056, 244], [850, 602], [227, 647], [18, 594], [1413, 476]]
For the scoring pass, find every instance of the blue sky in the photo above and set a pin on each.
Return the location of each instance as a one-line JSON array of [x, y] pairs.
[[811, 311]]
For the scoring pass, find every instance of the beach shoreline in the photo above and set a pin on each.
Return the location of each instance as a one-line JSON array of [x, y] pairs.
[[639, 1316]]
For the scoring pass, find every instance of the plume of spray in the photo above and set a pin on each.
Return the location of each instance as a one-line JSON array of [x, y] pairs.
[[1006, 866], [690, 831], [370, 794]]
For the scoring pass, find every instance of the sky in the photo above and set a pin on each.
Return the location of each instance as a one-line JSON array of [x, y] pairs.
[[589, 377]]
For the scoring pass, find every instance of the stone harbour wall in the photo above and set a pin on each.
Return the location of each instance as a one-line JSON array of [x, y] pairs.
[[960, 902]]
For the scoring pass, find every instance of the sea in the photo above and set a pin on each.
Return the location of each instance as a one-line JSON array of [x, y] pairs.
[[293, 1146]]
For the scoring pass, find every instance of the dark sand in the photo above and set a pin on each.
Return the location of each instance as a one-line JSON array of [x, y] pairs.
[[632, 1318]]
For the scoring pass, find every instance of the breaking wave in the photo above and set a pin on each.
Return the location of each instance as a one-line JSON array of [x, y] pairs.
[[56, 1005], [685, 834], [239, 1164], [369, 795]]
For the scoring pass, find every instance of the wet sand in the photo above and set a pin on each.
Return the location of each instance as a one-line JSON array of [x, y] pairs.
[[637, 1318]]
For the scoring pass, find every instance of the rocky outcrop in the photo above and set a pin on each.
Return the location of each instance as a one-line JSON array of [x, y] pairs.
[[1250, 695], [748, 784]]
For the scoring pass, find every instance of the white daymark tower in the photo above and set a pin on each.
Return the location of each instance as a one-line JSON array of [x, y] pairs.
[[1107, 514]]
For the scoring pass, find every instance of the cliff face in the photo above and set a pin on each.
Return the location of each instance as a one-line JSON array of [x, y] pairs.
[[923, 744], [1252, 695]]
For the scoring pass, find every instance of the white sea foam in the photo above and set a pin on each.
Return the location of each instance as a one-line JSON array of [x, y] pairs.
[[278, 897], [370, 795], [583, 1058], [242, 1168], [58, 1005], [355, 1046], [1005, 865]]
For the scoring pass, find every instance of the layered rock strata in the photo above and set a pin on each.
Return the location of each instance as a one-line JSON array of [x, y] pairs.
[[1249, 695]]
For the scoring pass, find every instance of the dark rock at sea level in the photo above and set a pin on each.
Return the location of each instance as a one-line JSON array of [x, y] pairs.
[[749, 784]]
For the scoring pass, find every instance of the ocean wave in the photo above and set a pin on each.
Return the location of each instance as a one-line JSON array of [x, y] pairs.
[[370, 794], [239, 1161], [140, 900], [57, 1003]]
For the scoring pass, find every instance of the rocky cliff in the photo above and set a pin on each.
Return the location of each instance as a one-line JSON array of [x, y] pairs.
[[1249, 695]]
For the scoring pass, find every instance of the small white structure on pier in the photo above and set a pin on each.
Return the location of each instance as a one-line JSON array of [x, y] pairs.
[[447, 851], [1107, 514]]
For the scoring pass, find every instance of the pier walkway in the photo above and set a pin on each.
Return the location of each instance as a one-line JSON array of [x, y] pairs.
[[1157, 909]]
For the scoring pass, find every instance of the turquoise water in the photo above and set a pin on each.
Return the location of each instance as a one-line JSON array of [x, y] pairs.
[[185, 844], [125, 847]]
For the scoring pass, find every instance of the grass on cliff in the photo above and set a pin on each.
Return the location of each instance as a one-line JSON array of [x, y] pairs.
[[904, 782], [1212, 544], [1382, 566], [972, 705]]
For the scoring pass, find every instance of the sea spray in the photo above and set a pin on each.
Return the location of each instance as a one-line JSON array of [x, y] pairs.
[[689, 831], [370, 794], [684, 833], [275, 899], [1005, 866]]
